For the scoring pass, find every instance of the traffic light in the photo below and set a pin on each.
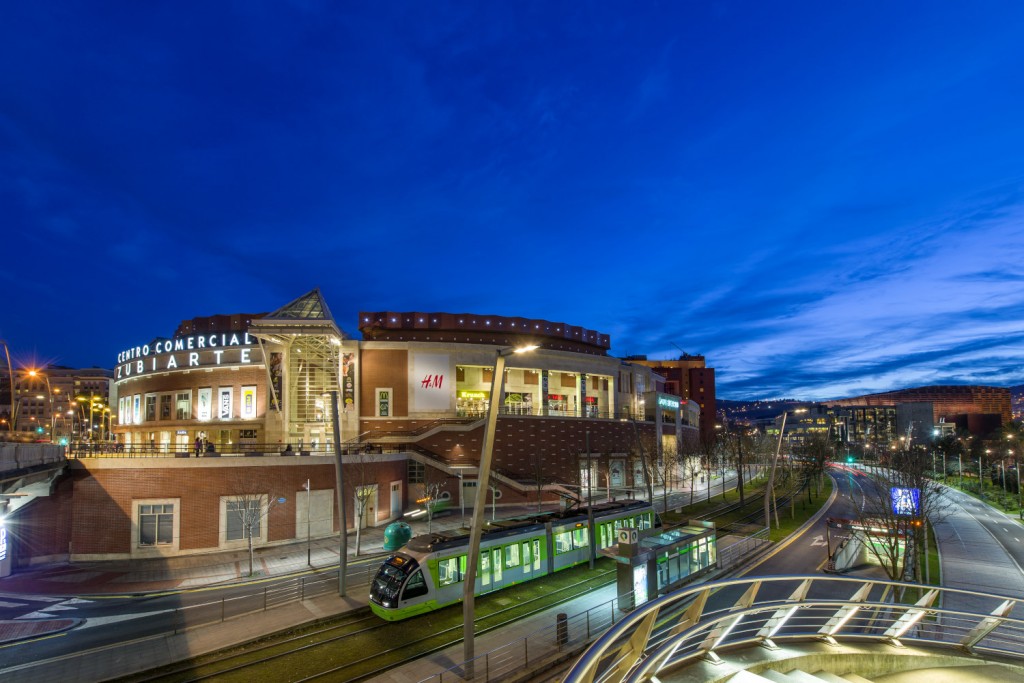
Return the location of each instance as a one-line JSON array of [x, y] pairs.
[[850, 459]]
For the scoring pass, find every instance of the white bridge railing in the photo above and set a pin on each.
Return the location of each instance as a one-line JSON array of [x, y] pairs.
[[702, 622]]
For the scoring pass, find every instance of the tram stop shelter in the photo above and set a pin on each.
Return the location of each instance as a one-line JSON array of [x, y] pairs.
[[655, 562]]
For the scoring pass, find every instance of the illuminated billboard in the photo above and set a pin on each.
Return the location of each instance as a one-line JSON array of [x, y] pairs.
[[905, 501]]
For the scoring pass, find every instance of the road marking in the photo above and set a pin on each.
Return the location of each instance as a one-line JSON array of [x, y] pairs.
[[77, 601], [12, 604], [818, 540], [33, 640], [102, 621]]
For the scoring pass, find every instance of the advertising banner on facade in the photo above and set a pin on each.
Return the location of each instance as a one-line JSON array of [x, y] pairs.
[[432, 385], [224, 404], [275, 379], [205, 403], [248, 403], [383, 402], [348, 382]]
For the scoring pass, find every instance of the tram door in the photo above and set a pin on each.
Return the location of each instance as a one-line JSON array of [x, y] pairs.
[[497, 563], [490, 568]]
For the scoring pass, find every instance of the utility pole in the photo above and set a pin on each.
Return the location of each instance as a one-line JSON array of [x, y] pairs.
[[309, 551], [339, 482], [590, 505]]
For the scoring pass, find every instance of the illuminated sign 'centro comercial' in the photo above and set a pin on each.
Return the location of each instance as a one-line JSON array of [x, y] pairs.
[[184, 352]]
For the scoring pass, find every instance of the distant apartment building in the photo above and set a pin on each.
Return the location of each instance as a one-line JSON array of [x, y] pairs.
[[688, 377], [61, 403]]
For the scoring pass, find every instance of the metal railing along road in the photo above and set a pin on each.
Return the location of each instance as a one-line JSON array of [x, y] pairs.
[[116, 450], [268, 597], [675, 630]]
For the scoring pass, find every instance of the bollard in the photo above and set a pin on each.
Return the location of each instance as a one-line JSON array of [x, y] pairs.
[[562, 628]]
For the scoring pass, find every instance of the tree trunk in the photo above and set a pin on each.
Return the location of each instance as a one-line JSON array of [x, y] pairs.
[[359, 527], [739, 472], [249, 534]]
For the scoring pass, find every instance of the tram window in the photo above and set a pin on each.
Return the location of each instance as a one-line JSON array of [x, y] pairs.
[[563, 542], [536, 553], [485, 567], [580, 538], [526, 556], [448, 571], [415, 587], [511, 556]]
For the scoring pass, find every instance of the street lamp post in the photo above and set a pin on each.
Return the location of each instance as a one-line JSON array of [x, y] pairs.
[[981, 481], [339, 481], [309, 551], [769, 491], [10, 378], [49, 394], [480, 506]]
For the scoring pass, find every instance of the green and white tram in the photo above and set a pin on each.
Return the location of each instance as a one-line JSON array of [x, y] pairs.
[[427, 573]]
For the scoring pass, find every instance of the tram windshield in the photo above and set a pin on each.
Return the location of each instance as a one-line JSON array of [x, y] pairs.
[[388, 583]]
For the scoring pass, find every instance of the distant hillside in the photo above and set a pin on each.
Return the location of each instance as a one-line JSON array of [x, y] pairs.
[[750, 411]]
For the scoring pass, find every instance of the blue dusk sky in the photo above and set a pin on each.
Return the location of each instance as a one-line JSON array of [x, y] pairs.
[[824, 199]]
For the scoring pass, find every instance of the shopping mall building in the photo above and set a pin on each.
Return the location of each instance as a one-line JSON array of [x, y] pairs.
[[238, 406]]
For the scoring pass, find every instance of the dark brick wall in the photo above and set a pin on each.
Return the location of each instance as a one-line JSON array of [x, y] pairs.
[[384, 368], [91, 509]]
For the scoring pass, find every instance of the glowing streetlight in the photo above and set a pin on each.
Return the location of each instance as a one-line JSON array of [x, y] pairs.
[[36, 374]]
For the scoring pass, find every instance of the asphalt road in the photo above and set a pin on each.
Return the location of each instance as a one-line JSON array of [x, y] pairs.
[[115, 619]]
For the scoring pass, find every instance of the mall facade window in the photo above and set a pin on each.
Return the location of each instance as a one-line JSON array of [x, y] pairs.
[[183, 404], [155, 526], [239, 515]]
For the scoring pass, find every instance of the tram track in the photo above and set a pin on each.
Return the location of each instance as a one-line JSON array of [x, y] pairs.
[[333, 651]]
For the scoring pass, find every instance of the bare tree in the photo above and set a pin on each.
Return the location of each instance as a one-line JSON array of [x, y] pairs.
[[361, 481], [709, 454], [900, 499], [429, 491], [645, 450], [539, 476], [815, 452], [247, 506], [689, 463], [666, 470]]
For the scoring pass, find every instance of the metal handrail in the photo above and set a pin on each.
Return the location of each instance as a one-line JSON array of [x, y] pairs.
[[676, 630]]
